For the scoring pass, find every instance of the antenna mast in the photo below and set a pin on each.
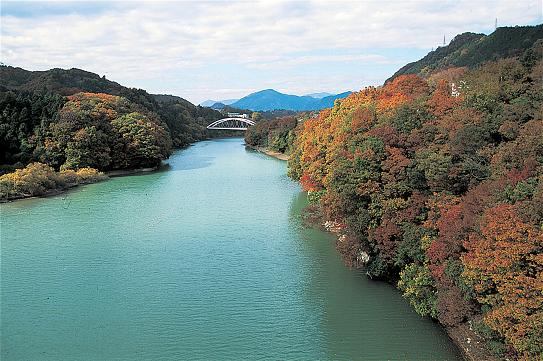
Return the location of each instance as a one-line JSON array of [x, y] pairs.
[[443, 39], [496, 24]]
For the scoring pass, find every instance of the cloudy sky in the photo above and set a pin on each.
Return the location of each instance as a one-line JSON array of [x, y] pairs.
[[223, 49]]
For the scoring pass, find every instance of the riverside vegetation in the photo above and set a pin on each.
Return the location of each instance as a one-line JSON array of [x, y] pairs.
[[435, 183], [38, 179]]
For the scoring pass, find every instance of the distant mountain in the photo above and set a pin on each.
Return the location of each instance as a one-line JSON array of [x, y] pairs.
[[270, 99], [328, 102], [470, 49], [218, 105], [209, 103], [319, 95]]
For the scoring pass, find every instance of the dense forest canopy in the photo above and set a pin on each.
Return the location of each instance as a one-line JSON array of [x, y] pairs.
[[275, 134], [24, 119], [95, 130], [437, 185], [79, 123], [78, 135], [186, 123]]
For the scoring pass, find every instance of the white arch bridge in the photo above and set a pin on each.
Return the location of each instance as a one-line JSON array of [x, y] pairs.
[[232, 123]]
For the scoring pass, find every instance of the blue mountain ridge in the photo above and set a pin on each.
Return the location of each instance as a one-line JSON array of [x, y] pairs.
[[270, 99]]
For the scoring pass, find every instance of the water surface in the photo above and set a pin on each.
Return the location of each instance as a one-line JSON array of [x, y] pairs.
[[206, 260]]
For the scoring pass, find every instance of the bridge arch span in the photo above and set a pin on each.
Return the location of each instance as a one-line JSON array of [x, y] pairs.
[[231, 123]]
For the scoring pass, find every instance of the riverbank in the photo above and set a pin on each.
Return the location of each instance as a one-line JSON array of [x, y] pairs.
[[271, 153], [472, 347], [40, 181]]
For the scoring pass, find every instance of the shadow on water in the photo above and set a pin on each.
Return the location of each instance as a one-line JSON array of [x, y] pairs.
[[164, 167], [359, 316]]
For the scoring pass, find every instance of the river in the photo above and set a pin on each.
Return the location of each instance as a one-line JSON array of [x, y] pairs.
[[204, 260]]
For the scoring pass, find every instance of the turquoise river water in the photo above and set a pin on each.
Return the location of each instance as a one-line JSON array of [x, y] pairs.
[[204, 260]]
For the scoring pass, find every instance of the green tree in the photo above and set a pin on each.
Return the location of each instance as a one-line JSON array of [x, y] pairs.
[[418, 287], [145, 142]]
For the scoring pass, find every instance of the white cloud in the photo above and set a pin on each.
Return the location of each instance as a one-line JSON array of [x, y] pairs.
[[165, 46], [280, 63]]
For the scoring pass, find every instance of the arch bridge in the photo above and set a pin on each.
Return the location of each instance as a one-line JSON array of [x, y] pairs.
[[231, 123]]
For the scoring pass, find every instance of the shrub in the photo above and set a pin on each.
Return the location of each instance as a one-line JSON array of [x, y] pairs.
[[38, 179]]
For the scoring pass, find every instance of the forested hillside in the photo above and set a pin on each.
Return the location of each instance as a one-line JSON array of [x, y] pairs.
[[77, 123], [276, 134], [471, 49], [185, 122], [436, 185]]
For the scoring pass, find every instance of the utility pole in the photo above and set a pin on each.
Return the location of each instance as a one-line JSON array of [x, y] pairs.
[[496, 24], [443, 39]]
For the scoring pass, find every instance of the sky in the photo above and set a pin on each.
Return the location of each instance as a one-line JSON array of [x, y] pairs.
[[228, 49]]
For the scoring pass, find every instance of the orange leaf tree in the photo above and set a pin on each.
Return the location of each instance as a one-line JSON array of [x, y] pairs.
[[504, 265]]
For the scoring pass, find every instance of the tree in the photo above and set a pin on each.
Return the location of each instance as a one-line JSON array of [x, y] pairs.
[[418, 287], [105, 132], [421, 180], [88, 148], [504, 265], [145, 142]]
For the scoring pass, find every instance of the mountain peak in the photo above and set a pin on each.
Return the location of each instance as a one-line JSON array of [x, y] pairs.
[[266, 91]]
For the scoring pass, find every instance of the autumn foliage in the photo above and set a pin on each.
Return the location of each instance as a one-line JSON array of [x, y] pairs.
[[504, 265], [440, 181], [88, 133], [104, 132], [38, 179]]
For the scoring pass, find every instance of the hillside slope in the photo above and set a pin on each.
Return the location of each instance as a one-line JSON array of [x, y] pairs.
[[209, 103], [470, 50], [438, 189], [186, 122]]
